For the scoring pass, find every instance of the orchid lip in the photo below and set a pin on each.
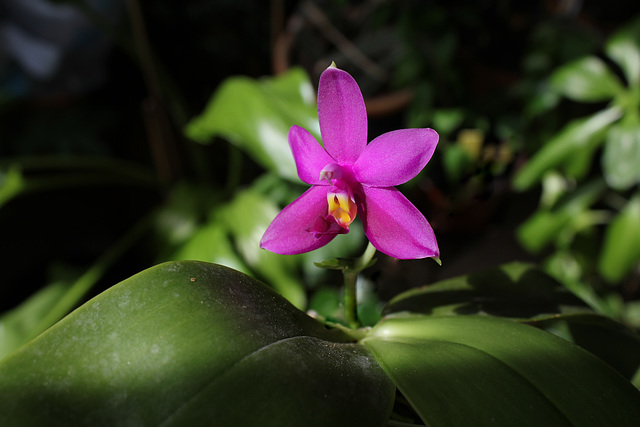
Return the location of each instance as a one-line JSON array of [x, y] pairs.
[[341, 207]]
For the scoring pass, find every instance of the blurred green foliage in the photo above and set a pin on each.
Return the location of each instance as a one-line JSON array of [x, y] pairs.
[[590, 172]]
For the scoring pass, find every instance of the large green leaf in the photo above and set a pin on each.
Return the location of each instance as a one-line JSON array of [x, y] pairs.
[[621, 248], [484, 371], [586, 79], [191, 343], [576, 136], [611, 341], [256, 116], [621, 157], [517, 290]]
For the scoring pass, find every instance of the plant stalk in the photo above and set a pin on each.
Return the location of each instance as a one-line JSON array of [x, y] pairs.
[[350, 282]]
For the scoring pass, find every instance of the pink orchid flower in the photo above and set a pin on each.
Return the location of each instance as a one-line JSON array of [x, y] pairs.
[[349, 177]]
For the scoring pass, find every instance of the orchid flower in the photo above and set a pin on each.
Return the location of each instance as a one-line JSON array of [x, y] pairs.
[[349, 177]]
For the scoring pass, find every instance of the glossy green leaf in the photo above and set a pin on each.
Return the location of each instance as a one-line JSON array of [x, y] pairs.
[[624, 48], [516, 290], [191, 343], [256, 116], [621, 157], [485, 371], [621, 248], [578, 135], [611, 341], [586, 79]]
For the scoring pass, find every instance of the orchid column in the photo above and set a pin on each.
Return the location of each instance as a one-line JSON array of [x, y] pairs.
[[349, 176]]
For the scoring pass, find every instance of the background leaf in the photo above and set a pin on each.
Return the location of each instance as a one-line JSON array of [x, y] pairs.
[[548, 225], [624, 48], [587, 80], [579, 134], [247, 217], [621, 249], [621, 157], [210, 243], [256, 116], [21, 324], [191, 342]]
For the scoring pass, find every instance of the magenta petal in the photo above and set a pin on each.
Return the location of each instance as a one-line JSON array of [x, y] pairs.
[[308, 154], [395, 157], [342, 115], [288, 233], [396, 227]]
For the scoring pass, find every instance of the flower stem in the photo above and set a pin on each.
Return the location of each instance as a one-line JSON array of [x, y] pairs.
[[350, 281], [365, 259], [350, 298]]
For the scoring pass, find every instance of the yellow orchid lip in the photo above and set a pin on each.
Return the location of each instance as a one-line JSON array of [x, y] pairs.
[[342, 208]]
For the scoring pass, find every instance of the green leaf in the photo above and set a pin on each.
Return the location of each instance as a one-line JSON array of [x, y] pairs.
[[516, 290], [457, 162], [611, 341], [621, 157], [496, 372], [565, 265], [624, 48], [21, 324], [210, 243], [256, 116], [344, 264], [540, 100], [542, 228], [179, 218], [578, 165], [191, 343], [447, 120], [586, 79], [546, 226], [247, 217], [576, 136], [621, 248], [12, 183]]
